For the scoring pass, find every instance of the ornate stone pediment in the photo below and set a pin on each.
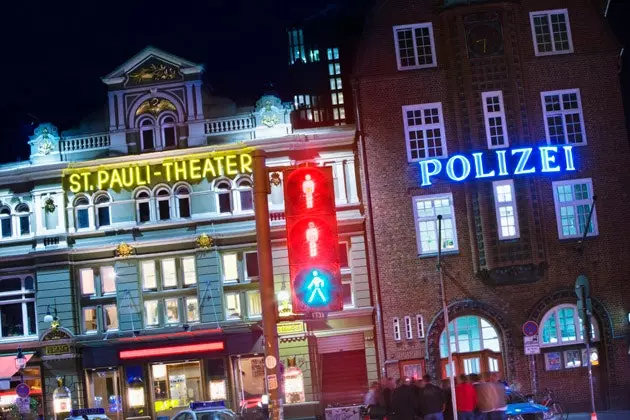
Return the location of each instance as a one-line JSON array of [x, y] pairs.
[[44, 144], [153, 70]]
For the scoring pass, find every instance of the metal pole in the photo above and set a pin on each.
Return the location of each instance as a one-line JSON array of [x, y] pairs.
[[586, 320], [532, 366], [267, 294], [446, 322]]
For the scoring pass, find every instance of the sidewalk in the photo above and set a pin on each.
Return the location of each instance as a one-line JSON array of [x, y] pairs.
[[607, 415]]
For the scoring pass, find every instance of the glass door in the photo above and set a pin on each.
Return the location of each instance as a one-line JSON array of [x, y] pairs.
[[104, 391]]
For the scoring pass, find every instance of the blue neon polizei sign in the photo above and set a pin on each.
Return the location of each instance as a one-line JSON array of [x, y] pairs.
[[499, 163]]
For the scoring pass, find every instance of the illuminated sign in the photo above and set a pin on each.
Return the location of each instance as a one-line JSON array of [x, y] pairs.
[[190, 168], [171, 350], [58, 349], [503, 162], [312, 241]]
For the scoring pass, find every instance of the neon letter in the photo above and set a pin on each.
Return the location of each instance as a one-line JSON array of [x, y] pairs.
[[219, 160], [426, 174], [520, 167], [195, 169], [546, 159], [479, 167], [139, 180], [115, 179], [103, 177], [75, 185], [246, 163], [568, 155], [86, 181], [167, 168], [501, 160], [450, 170], [207, 167], [180, 170], [230, 165], [127, 177]]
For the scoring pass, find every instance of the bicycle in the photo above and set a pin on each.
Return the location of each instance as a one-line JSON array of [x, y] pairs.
[[556, 410]]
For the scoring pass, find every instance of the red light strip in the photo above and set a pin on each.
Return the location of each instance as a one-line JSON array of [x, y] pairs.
[[167, 351]]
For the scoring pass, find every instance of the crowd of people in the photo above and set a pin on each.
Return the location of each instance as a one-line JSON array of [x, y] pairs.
[[476, 398]]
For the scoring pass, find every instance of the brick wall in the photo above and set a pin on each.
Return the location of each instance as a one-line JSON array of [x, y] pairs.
[[409, 284]]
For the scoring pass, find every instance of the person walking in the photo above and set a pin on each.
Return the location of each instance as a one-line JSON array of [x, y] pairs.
[[404, 401], [499, 406], [431, 400], [466, 398], [375, 402], [448, 399]]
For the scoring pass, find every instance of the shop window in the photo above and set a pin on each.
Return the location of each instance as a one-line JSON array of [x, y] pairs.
[[182, 198], [239, 267], [103, 211], [104, 391], [223, 192], [98, 299], [23, 214], [17, 307], [169, 297], [82, 212], [175, 386], [244, 194], [143, 206], [249, 374]]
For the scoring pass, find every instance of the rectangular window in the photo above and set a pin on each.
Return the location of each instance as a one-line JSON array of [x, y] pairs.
[[148, 275], [251, 265], [164, 209], [494, 115], [169, 275], [190, 271], [247, 201], [169, 136], [408, 329], [564, 123], [225, 203], [83, 219], [415, 47], [25, 225], [426, 209], [396, 329], [254, 305], [151, 314], [89, 321], [192, 309], [420, 321], [551, 32], [343, 255], [87, 281], [108, 279], [103, 216], [232, 305], [230, 268], [347, 293], [505, 208], [144, 212], [171, 310], [573, 200], [17, 307], [424, 131], [110, 316], [5, 226]]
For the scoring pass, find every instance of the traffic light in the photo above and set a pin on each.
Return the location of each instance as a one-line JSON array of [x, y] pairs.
[[312, 240]]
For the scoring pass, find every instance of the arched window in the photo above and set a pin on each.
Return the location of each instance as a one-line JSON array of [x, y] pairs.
[[143, 206], [224, 196], [163, 199], [169, 138], [24, 219], [469, 334], [103, 213], [562, 326], [244, 191], [147, 134], [5, 222], [182, 197], [82, 212]]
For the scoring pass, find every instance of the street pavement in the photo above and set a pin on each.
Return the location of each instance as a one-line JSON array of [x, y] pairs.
[[606, 415]]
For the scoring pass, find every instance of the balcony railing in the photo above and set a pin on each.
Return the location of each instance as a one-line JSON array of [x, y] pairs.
[[228, 125], [83, 143]]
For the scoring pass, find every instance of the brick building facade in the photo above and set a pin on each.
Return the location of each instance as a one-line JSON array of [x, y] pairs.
[[437, 80]]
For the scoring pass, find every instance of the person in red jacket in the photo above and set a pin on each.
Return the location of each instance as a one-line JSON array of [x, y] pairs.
[[466, 399]]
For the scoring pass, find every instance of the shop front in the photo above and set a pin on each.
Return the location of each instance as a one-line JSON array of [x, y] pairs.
[[150, 380], [11, 377]]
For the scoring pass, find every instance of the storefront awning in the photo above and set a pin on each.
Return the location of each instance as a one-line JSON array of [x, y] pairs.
[[7, 365]]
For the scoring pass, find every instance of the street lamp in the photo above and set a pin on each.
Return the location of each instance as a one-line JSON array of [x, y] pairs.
[[20, 360], [49, 317]]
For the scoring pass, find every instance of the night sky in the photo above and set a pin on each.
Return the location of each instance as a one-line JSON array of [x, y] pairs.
[[54, 52]]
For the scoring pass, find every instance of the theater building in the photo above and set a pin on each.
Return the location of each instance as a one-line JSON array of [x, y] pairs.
[[506, 119], [129, 271]]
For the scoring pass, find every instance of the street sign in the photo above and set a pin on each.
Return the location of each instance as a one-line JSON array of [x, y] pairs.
[[22, 390], [272, 382], [532, 346], [23, 404], [530, 328]]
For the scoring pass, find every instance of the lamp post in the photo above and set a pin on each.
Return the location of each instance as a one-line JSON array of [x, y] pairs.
[[20, 363]]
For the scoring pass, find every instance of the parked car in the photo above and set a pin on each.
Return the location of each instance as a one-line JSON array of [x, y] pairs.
[[521, 408]]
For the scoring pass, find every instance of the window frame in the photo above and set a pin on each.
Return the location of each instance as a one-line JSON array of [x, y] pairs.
[[98, 206], [164, 124], [143, 200], [424, 127], [238, 295], [24, 297], [19, 215], [219, 191], [83, 207], [178, 196], [420, 326], [577, 322], [562, 113], [579, 234], [248, 306], [408, 328], [413, 27], [104, 311], [396, 328], [84, 329], [548, 14], [237, 201], [495, 114], [148, 127], [482, 339], [6, 216], [163, 198], [498, 205], [417, 219]]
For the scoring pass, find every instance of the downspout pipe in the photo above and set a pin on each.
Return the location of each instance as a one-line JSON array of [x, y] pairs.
[[372, 260]]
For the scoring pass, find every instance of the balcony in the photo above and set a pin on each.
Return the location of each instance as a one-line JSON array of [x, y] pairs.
[[229, 125], [84, 143]]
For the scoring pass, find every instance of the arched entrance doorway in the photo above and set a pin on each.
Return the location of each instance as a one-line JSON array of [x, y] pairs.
[[475, 345]]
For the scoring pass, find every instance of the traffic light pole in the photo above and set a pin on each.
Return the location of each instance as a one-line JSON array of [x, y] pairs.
[[267, 294]]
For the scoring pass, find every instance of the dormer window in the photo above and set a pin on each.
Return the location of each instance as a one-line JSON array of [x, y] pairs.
[[5, 222], [147, 134], [163, 199], [168, 132], [24, 219]]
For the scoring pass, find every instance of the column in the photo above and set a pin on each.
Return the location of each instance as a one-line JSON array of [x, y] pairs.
[[341, 182], [351, 181], [190, 104], [112, 111], [38, 209], [199, 103], [121, 112]]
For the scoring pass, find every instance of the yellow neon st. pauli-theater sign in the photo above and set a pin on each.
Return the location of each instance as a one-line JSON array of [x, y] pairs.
[[190, 168]]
